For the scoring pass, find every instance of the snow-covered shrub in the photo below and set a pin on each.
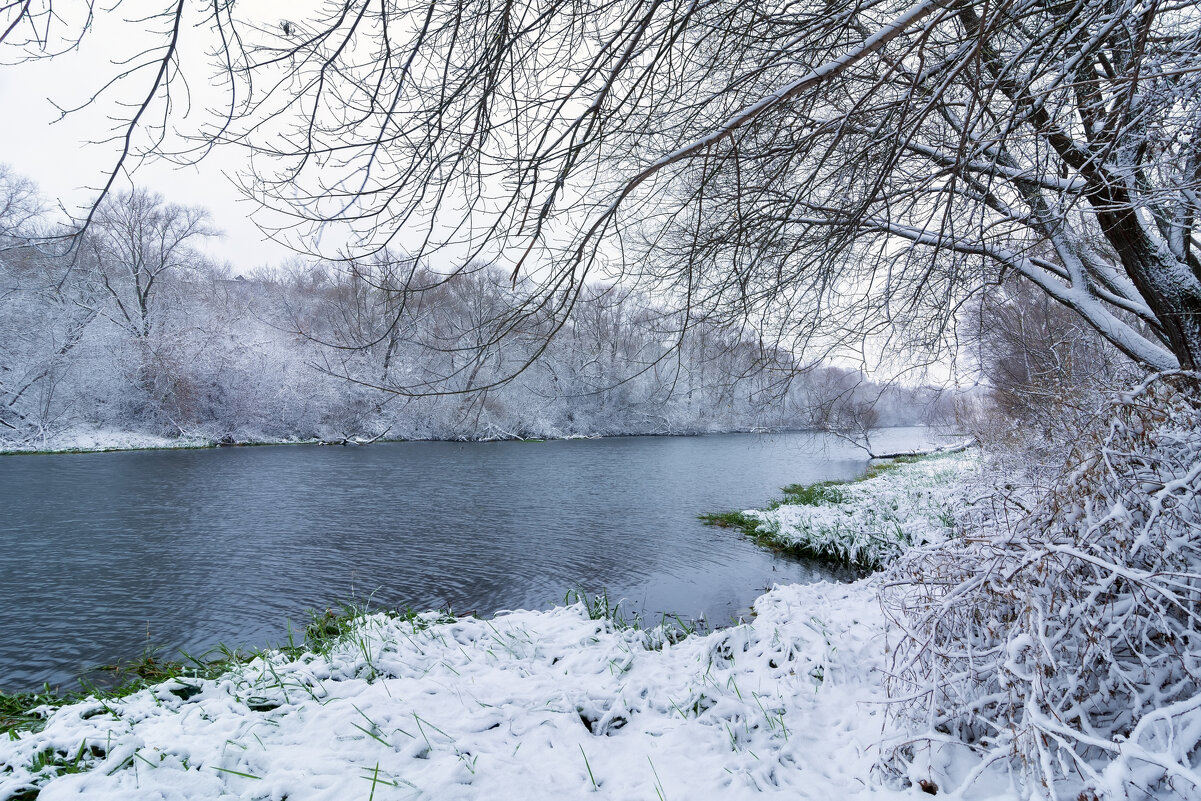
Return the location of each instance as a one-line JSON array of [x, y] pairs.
[[1061, 635]]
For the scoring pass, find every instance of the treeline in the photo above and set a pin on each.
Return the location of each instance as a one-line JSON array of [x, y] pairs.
[[133, 331]]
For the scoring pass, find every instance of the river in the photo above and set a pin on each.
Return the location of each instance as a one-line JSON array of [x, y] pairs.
[[107, 554]]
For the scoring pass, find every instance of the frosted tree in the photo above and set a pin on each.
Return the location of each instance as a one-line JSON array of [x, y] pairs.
[[819, 174], [135, 241], [20, 207], [40, 325]]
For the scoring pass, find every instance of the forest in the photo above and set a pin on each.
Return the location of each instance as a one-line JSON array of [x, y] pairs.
[[137, 334]]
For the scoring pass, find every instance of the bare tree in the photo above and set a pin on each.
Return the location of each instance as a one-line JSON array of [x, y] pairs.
[[20, 207], [843, 403], [1044, 366], [821, 175], [136, 239]]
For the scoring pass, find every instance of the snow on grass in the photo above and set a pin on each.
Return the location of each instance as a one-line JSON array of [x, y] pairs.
[[527, 705], [869, 522]]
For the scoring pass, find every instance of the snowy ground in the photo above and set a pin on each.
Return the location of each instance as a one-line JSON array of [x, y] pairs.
[[871, 521], [528, 705]]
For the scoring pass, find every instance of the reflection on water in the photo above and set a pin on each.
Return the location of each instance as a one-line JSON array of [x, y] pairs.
[[105, 554]]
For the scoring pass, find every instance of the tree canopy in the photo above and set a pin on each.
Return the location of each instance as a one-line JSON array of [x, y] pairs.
[[814, 172]]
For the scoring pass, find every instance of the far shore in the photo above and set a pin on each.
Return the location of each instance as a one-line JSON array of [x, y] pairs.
[[118, 442]]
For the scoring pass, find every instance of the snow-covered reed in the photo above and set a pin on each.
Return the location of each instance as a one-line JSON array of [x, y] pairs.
[[869, 522]]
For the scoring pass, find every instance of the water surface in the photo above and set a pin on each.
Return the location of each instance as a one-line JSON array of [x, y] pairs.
[[106, 554]]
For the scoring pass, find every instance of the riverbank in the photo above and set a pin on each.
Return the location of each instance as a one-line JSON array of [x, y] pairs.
[[868, 521], [552, 704], [105, 441], [120, 441]]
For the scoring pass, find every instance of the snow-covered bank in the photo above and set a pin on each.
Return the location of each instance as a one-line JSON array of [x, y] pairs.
[[102, 441], [106, 440], [526, 705], [870, 521]]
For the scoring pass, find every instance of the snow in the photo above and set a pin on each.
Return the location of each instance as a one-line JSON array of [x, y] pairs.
[[875, 519], [102, 440], [526, 705]]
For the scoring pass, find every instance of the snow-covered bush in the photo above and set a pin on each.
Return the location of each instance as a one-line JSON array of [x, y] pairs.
[[1061, 634]]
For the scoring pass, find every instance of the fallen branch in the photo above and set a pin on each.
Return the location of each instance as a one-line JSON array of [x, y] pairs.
[[355, 440], [963, 446]]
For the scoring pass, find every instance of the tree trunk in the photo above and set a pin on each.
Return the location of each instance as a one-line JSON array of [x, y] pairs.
[[1170, 288]]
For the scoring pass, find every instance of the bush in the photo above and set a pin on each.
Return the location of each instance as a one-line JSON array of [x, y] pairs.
[[1061, 634]]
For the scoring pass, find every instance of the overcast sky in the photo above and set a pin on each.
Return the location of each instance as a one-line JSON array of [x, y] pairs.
[[57, 157]]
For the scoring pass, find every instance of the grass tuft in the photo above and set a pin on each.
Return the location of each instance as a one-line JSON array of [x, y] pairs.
[[824, 493]]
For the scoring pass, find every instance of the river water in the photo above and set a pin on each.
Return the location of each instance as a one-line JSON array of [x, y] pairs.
[[107, 554]]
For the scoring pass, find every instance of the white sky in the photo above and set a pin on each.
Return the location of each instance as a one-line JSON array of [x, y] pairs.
[[68, 170]]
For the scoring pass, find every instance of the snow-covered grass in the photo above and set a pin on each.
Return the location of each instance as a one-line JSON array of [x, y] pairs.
[[870, 521], [553, 704]]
